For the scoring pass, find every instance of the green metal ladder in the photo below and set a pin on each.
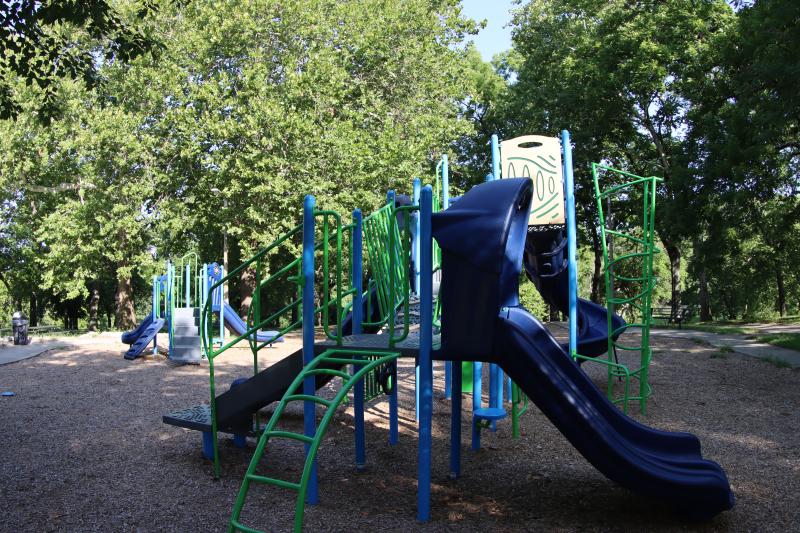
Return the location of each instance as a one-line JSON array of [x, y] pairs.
[[333, 357]]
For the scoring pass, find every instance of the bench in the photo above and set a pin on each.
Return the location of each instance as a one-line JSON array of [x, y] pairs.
[[685, 313]]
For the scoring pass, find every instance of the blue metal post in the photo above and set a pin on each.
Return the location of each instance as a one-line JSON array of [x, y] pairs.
[[415, 235], [221, 290], [425, 364], [448, 365], [416, 260], [309, 385], [188, 286], [477, 400], [496, 172], [455, 423], [572, 243], [393, 411], [358, 391], [155, 313]]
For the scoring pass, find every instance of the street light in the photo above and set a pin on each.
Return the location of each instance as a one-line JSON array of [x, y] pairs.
[[217, 192]]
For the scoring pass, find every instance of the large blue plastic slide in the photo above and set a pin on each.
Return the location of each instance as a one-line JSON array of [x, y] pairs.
[[145, 338], [238, 326], [662, 465]]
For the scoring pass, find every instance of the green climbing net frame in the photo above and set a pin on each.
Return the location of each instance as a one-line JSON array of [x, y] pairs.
[[628, 249]]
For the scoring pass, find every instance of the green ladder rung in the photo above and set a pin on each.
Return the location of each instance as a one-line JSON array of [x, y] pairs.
[[264, 480], [327, 372], [241, 527], [342, 361], [310, 398], [289, 434]]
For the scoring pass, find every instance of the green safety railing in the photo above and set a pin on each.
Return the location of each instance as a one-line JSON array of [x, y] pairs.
[[387, 262], [334, 272], [637, 244]]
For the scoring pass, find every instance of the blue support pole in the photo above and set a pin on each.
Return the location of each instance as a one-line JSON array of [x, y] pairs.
[[221, 290], [455, 424], [425, 363], [496, 172], [358, 391], [415, 235], [416, 260], [493, 370], [477, 400], [309, 385], [188, 286], [448, 365], [572, 243], [393, 411], [155, 313]]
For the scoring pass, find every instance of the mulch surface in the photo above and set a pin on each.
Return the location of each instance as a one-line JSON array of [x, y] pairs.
[[84, 449]]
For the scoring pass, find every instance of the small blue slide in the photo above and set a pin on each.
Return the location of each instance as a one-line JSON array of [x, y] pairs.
[[145, 337], [545, 262], [129, 337], [238, 326]]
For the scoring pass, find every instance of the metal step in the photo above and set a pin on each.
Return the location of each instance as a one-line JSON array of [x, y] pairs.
[[188, 341]]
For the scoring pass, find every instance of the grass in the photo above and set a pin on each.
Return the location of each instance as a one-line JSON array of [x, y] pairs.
[[774, 361], [725, 349], [784, 340]]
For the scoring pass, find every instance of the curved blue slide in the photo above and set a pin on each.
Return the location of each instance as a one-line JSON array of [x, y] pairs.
[[129, 337], [144, 338], [238, 326], [662, 465], [545, 262]]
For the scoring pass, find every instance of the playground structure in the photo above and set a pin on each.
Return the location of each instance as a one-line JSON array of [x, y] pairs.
[[475, 318], [178, 295]]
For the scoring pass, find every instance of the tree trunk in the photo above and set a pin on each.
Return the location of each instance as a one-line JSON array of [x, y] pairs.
[[705, 304], [247, 286], [94, 306], [125, 313], [597, 274], [674, 254], [781, 291], [33, 316]]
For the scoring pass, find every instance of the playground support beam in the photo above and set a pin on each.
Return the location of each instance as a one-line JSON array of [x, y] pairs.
[[572, 244], [358, 390], [425, 364], [309, 385]]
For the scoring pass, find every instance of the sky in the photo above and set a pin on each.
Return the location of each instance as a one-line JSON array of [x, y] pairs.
[[494, 37]]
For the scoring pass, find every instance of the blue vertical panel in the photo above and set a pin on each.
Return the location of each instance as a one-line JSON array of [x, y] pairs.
[[309, 385], [425, 365], [572, 242]]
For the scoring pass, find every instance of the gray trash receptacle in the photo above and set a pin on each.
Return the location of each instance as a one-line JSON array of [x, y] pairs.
[[19, 325]]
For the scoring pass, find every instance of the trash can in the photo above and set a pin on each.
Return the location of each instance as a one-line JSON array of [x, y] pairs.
[[19, 324]]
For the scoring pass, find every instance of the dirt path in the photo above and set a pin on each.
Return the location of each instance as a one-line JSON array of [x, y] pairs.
[[84, 449]]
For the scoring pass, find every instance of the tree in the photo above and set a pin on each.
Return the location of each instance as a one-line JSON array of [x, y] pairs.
[[56, 39], [618, 75]]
